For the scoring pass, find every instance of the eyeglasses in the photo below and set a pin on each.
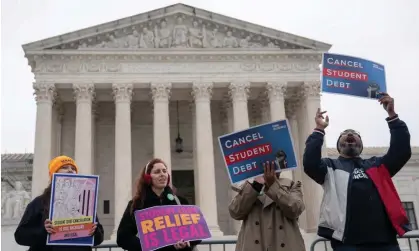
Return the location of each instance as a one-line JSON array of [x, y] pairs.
[[350, 131]]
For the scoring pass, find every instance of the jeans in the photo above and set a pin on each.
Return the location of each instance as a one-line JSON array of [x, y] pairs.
[[370, 248]]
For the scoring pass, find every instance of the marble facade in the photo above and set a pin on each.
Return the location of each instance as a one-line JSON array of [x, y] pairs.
[[106, 95]]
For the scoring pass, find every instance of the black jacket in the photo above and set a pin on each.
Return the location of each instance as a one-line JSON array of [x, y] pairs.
[[127, 231], [360, 202], [31, 231]]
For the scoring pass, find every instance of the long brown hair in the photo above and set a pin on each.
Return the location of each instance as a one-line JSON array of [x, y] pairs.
[[46, 197], [140, 185]]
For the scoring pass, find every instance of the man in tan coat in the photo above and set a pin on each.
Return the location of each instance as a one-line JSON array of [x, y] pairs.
[[270, 216]]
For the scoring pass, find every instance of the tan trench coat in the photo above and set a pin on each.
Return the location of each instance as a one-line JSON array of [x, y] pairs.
[[270, 220]]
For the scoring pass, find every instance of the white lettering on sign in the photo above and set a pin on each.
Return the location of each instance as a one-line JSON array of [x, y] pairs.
[[337, 84], [243, 140], [244, 168], [342, 62]]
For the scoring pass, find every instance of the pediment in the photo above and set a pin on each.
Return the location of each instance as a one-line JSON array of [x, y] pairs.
[[176, 27]]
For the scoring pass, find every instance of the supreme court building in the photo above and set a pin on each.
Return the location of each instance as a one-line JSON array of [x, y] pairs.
[[115, 95]]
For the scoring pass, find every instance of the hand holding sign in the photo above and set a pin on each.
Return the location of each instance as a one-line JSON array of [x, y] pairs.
[[92, 231], [48, 226], [269, 173], [321, 122], [181, 245], [388, 104]]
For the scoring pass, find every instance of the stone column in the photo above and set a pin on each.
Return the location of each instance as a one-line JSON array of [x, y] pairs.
[[84, 95], [194, 154], [276, 92], [239, 93], [202, 92], [44, 95], [161, 127], [123, 192], [291, 112], [57, 114], [95, 115], [311, 190]]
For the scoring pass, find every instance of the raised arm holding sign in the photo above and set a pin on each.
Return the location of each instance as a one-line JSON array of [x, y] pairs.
[[371, 210]]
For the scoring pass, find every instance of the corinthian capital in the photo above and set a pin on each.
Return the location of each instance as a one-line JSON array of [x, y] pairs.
[[202, 91], [44, 92], [312, 89], [276, 90], [239, 91], [161, 91], [122, 92], [84, 92]]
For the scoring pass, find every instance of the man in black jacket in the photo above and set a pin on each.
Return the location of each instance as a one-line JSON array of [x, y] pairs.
[[361, 209]]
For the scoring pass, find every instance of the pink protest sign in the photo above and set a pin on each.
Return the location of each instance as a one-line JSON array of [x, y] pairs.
[[163, 226]]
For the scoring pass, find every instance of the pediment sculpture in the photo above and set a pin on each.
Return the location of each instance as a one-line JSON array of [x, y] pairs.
[[178, 32], [14, 202]]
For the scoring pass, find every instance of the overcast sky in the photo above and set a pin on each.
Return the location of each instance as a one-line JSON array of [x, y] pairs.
[[385, 31]]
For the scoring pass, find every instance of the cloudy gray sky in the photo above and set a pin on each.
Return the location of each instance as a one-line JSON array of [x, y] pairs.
[[385, 31]]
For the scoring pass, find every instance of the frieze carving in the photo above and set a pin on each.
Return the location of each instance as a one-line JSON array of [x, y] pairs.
[[126, 66], [44, 92], [14, 202], [84, 92], [122, 92], [276, 90], [239, 91], [177, 31], [202, 91], [161, 91]]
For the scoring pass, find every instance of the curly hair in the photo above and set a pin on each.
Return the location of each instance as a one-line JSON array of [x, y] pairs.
[[140, 185]]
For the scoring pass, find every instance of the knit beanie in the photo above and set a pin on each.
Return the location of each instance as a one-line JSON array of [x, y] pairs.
[[60, 161]]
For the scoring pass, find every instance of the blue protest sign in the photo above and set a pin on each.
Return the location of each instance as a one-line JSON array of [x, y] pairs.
[[245, 151], [352, 76]]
